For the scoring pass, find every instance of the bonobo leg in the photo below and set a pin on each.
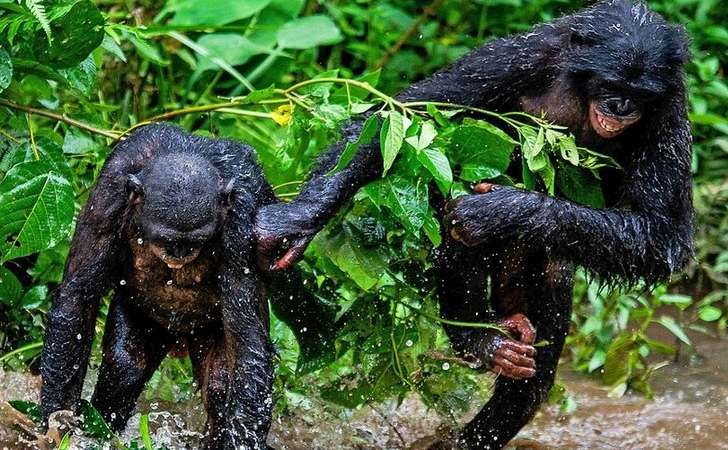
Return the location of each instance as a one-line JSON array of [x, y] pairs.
[[461, 293], [133, 347], [207, 353], [514, 402]]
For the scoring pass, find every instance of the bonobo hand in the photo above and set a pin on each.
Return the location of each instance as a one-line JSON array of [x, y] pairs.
[[505, 356], [283, 231], [493, 212]]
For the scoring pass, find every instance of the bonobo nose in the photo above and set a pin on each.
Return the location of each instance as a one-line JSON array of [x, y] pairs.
[[620, 106]]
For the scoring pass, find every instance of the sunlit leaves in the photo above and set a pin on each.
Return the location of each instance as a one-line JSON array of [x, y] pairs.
[[369, 130], [36, 209]]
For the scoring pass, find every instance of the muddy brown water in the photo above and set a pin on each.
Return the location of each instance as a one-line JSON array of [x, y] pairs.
[[689, 411]]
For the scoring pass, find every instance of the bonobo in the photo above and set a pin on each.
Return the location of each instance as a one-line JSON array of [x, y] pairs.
[[169, 228], [613, 74]]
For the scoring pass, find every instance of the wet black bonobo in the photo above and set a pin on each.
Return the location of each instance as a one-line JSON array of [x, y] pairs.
[[168, 228], [613, 74]]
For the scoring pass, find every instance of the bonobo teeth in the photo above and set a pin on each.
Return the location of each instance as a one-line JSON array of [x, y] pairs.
[[607, 126]]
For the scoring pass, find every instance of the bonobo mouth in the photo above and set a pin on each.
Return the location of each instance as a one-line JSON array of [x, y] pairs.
[[174, 262], [607, 125]]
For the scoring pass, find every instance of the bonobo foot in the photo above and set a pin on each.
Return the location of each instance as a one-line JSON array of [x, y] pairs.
[[512, 358]]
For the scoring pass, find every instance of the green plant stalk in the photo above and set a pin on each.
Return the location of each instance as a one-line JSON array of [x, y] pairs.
[[32, 346]]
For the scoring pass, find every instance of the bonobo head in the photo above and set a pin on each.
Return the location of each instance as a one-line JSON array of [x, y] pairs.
[[626, 58], [180, 203]]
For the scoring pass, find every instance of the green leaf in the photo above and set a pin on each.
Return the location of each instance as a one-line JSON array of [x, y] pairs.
[[482, 154], [709, 313], [369, 130], [10, 287], [407, 201], [392, 138], [580, 186], [65, 443], [75, 35], [617, 364], [432, 229], [6, 69], [218, 12], [146, 49], [144, 432], [94, 424], [82, 77], [34, 298], [111, 46], [424, 138], [674, 328], [231, 48], [309, 32], [437, 164], [36, 209], [682, 301], [30, 409], [364, 266]]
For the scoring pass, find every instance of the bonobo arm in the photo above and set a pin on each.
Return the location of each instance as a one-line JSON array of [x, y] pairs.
[[651, 239], [248, 406], [89, 274], [493, 76]]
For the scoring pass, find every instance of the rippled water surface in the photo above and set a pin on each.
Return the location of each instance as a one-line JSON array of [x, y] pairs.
[[690, 412]]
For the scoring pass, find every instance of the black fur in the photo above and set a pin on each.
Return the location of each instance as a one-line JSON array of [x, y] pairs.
[[187, 181], [525, 241]]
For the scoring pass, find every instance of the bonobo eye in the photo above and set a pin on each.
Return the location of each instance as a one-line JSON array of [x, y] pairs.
[[620, 106]]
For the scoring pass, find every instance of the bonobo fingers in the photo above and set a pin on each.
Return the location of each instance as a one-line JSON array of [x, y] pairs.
[[519, 325], [293, 255], [505, 367]]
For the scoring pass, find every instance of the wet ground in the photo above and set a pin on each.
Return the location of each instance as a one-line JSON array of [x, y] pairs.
[[690, 411]]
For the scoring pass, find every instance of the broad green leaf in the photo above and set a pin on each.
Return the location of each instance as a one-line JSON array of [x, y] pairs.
[[369, 130], [65, 443], [77, 142], [424, 138], [75, 35], [231, 48], [567, 147], [617, 364], [36, 209], [407, 201], [34, 298], [437, 164], [309, 32], [391, 139], [680, 300], [46, 150], [580, 186], [10, 288], [217, 12], [709, 313], [6, 69], [110, 45], [30, 409], [82, 77], [93, 423], [674, 328], [364, 266], [481, 153], [432, 229], [148, 50]]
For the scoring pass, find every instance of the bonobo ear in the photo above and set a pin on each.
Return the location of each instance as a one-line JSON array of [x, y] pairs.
[[135, 189], [227, 194]]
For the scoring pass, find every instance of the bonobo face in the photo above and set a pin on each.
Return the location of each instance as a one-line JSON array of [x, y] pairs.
[[180, 205], [626, 59]]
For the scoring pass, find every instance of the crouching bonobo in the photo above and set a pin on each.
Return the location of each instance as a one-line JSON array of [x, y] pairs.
[[169, 228]]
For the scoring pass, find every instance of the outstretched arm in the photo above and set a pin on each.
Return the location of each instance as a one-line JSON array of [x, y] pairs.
[[492, 76], [649, 239]]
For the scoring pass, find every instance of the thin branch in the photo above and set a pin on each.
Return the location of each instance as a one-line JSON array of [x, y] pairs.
[[61, 118], [430, 10]]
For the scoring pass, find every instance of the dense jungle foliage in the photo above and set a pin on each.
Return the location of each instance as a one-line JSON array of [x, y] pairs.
[[280, 75]]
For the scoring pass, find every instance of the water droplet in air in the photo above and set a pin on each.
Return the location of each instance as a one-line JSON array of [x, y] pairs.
[[408, 343], [445, 366], [122, 282]]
